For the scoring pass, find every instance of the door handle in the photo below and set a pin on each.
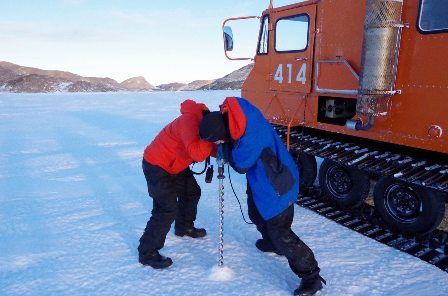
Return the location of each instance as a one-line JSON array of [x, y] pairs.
[[301, 59]]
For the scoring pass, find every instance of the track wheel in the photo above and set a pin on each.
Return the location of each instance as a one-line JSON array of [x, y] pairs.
[[343, 186], [307, 169], [408, 208]]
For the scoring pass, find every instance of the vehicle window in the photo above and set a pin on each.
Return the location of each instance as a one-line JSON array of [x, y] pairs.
[[291, 33], [433, 16], [264, 36]]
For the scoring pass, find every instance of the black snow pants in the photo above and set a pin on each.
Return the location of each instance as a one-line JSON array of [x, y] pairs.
[[277, 230], [175, 198]]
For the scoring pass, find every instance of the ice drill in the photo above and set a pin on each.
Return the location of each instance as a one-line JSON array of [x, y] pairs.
[[220, 163]]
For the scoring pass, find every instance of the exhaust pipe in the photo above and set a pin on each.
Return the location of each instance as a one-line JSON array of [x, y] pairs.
[[379, 59], [358, 125]]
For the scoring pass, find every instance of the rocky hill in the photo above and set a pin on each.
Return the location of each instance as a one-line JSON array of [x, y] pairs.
[[176, 86], [233, 80], [16, 78], [197, 84], [137, 84]]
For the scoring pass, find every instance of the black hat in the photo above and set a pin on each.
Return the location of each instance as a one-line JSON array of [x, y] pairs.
[[214, 127]]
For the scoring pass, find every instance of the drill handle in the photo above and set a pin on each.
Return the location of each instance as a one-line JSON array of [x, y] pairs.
[[220, 154], [220, 161]]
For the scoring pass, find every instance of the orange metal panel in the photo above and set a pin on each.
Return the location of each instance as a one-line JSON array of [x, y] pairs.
[[336, 76], [339, 31]]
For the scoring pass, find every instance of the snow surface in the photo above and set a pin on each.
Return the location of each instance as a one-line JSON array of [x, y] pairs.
[[74, 204]]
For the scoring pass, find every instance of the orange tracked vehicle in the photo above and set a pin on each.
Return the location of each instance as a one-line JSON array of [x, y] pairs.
[[362, 84]]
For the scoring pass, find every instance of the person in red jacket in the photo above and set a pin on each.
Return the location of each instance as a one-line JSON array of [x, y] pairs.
[[171, 183]]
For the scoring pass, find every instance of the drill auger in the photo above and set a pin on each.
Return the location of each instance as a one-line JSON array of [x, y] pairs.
[[220, 163]]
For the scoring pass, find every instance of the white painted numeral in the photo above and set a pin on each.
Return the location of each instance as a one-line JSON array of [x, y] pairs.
[[289, 66], [279, 74], [301, 76]]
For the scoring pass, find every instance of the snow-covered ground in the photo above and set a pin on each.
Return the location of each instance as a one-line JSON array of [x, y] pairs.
[[73, 204]]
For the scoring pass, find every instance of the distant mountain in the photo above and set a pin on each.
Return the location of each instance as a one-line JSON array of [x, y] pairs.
[[233, 80], [22, 71], [171, 86], [137, 83], [34, 83], [197, 84], [16, 78], [176, 86]]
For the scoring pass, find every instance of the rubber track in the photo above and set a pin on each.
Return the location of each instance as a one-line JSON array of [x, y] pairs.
[[431, 248], [371, 161]]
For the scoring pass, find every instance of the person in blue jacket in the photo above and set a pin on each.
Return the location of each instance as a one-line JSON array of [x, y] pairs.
[[273, 183]]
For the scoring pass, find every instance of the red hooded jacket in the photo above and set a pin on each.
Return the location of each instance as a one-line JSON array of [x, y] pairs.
[[178, 144]]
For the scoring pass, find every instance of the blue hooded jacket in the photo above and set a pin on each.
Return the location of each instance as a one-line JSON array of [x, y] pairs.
[[271, 172]]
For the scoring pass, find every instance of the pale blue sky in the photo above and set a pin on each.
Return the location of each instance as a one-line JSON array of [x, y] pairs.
[[164, 41]]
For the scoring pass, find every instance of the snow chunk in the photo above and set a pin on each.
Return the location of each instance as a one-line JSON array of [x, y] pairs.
[[221, 274]]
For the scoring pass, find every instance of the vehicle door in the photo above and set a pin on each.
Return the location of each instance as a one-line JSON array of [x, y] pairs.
[[292, 49]]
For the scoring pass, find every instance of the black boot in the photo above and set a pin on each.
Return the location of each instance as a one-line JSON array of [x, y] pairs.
[[154, 259], [266, 246], [310, 286], [190, 231]]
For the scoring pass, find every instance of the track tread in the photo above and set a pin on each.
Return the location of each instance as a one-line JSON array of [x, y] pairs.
[[374, 162], [419, 247]]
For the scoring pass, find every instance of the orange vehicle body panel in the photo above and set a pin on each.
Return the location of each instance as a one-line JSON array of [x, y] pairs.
[[336, 75], [417, 117]]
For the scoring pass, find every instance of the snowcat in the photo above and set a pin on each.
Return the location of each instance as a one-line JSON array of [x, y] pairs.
[[362, 85]]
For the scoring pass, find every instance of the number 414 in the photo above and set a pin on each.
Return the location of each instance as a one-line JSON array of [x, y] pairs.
[[301, 76]]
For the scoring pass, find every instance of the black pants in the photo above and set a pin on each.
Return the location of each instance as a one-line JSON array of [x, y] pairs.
[[277, 230], [175, 198]]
